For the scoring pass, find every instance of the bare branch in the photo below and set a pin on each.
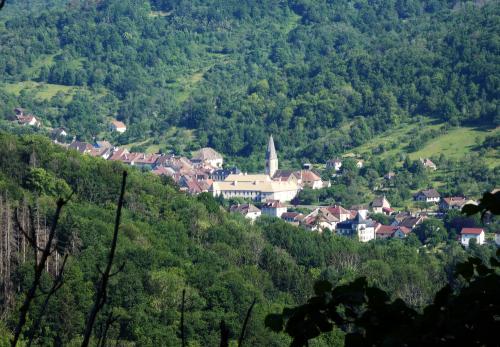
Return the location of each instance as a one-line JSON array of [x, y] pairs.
[[31, 241], [39, 267], [101, 294], [183, 336], [224, 334], [245, 323], [120, 269], [58, 282]]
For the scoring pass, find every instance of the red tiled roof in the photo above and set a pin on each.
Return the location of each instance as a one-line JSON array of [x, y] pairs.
[[475, 231], [118, 124]]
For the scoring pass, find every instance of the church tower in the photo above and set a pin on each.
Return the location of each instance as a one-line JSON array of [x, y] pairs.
[[271, 158]]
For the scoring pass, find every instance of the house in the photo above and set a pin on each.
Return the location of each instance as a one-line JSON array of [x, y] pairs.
[[163, 171], [340, 213], [468, 234], [273, 208], [30, 120], [207, 156], [497, 238], [285, 176], [363, 229], [360, 163], [452, 203], [334, 164], [118, 126], [249, 211], [391, 231], [309, 179], [82, 147], [221, 174], [429, 195], [320, 219], [58, 133], [381, 205], [294, 218], [104, 153], [118, 153], [401, 232], [359, 209], [103, 144], [411, 222], [428, 164], [390, 175]]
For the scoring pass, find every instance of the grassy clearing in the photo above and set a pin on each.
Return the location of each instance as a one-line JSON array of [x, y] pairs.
[[455, 144], [42, 91]]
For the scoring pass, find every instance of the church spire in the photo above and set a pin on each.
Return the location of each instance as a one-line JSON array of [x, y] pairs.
[[271, 158], [271, 151]]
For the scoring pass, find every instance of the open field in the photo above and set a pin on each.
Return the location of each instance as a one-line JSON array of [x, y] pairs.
[[454, 144], [42, 91]]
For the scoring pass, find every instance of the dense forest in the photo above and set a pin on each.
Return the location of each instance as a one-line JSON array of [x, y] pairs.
[[323, 76], [170, 241]]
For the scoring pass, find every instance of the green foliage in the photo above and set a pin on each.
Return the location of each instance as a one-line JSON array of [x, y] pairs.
[[323, 76], [170, 241], [464, 315]]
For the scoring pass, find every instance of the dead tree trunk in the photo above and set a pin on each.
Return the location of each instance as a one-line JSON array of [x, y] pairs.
[[101, 294]]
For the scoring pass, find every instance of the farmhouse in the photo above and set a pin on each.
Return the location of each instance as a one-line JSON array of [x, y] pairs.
[[249, 211], [118, 126], [468, 234], [429, 195], [452, 203], [273, 208]]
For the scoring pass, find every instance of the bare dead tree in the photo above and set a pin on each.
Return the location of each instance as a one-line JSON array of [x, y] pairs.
[[245, 323], [39, 268], [56, 284], [224, 334], [183, 336], [101, 295]]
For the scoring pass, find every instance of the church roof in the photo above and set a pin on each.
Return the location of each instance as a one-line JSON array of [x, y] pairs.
[[271, 151]]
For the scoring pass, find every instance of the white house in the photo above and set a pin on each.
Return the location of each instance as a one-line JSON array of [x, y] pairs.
[[363, 229], [208, 156], [274, 208], [471, 233], [118, 126], [429, 195], [428, 164], [320, 219], [335, 164], [29, 120], [249, 211]]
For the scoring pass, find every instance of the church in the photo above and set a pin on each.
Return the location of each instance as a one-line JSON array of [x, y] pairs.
[[258, 187]]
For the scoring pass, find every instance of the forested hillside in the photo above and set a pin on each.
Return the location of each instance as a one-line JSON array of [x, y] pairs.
[[336, 72], [169, 242]]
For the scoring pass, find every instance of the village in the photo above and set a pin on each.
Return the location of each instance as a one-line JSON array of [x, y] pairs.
[[274, 189]]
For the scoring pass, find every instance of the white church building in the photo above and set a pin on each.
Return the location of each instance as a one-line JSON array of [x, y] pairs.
[[258, 187]]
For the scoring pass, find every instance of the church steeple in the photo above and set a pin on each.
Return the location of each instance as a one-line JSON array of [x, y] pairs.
[[271, 158]]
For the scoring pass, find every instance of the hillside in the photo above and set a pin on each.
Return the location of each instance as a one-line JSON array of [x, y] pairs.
[[337, 73], [451, 142], [169, 242]]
